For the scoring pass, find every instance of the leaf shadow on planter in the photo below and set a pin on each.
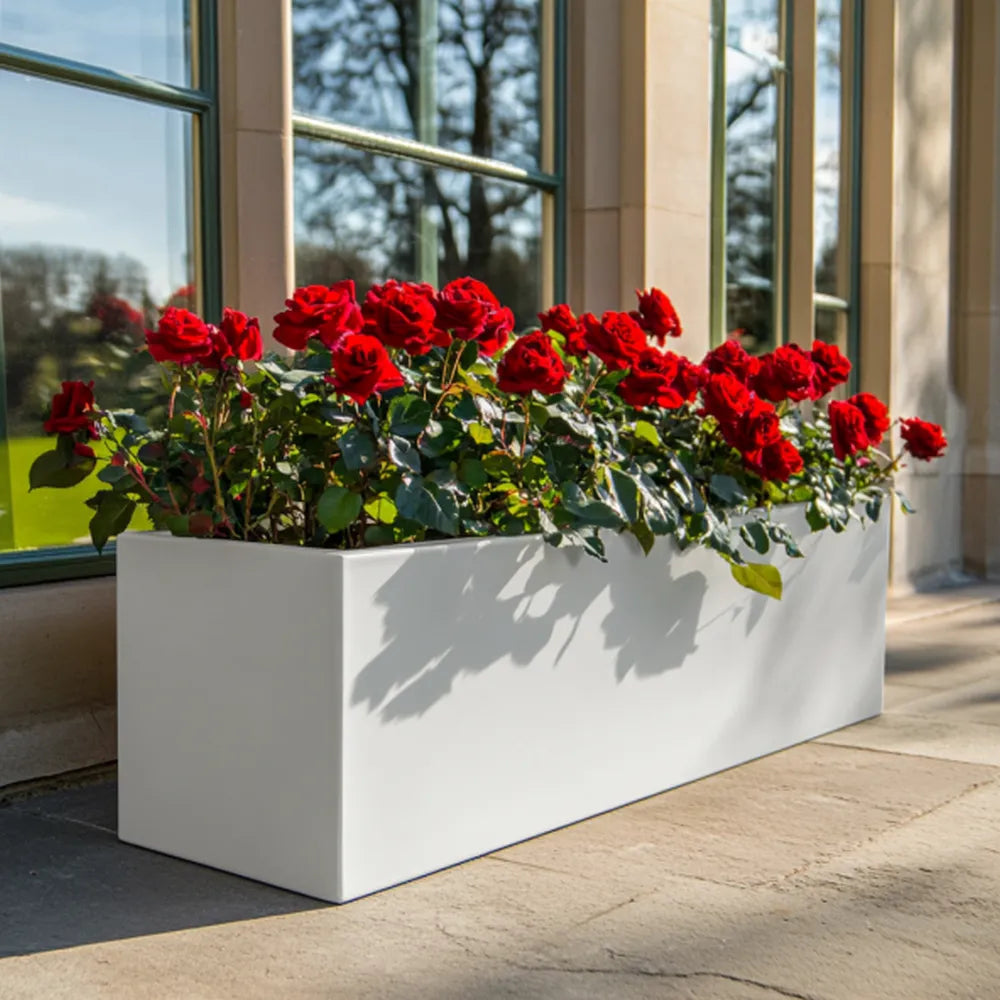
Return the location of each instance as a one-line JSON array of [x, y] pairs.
[[525, 607]]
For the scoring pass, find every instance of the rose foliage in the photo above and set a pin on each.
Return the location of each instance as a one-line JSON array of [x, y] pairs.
[[418, 414]]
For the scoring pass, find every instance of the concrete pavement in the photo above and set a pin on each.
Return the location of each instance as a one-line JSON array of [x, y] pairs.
[[862, 865]]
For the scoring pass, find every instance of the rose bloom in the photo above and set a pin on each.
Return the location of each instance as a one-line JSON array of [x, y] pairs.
[[725, 397], [847, 429], [730, 357], [923, 440], [181, 337], [318, 311], [496, 331], [616, 339], [464, 306], [876, 415], [831, 368], [402, 314], [651, 380], [72, 410], [786, 373], [531, 364], [362, 366], [657, 315], [560, 318], [779, 461], [237, 338], [690, 377]]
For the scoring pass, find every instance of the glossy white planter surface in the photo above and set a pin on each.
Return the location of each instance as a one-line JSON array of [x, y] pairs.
[[336, 723]]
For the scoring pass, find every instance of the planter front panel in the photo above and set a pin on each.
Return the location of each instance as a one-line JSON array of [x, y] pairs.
[[378, 715]]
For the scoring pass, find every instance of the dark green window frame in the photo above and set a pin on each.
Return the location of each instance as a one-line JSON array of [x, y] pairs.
[[549, 183], [71, 562]]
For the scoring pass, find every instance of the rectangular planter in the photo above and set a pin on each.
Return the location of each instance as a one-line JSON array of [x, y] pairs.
[[339, 722]]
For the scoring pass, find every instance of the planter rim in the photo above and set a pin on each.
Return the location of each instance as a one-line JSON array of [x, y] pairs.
[[378, 550]]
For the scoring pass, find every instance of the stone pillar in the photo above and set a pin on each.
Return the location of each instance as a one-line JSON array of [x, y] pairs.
[[255, 107], [977, 265], [907, 335], [639, 156]]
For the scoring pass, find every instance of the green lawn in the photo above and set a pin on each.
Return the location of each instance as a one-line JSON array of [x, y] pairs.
[[45, 516]]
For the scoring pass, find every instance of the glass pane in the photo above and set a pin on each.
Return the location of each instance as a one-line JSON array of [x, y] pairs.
[[370, 217], [463, 74], [831, 269], [754, 27], [142, 37], [95, 236], [751, 206]]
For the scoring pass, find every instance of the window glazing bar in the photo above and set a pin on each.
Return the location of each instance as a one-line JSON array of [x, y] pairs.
[[69, 562], [33, 63], [376, 142]]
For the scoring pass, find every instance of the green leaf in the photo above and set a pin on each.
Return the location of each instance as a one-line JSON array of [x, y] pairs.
[[382, 509], [378, 534], [761, 577], [112, 518], [337, 508], [905, 504], [52, 469], [408, 414], [627, 493], [816, 519], [727, 489], [480, 433], [590, 511], [112, 473], [498, 464], [357, 447], [427, 504], [645, 431], [755, 535], [472, 472], [644, 535], [874, 507], [403, 454]]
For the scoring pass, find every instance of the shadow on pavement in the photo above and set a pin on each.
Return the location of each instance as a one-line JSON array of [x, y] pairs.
[[66, 879]]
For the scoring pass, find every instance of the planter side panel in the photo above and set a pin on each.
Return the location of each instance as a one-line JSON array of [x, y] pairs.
[[229, 707], [496, 690]]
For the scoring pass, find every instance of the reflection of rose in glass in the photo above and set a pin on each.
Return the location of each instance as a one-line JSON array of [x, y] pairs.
[[116, 316], [182, 298]]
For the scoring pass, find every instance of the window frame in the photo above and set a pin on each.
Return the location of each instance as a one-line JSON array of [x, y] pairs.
[[550, 183], [72, 562]]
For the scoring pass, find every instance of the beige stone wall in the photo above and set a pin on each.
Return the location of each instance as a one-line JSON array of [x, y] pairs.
[[639, 169]]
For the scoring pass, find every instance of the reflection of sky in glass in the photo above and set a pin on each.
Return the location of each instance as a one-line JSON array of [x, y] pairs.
[[90, 171], [828, 125], [358, 62], [141, 37], [752, 25]]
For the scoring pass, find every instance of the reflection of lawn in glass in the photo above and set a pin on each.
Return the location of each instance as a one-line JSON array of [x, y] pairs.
[[48, 516]]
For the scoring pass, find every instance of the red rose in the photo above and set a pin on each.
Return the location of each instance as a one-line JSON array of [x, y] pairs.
[[651, 380], [847, 429], [496, 331], [757, 428], [246, 399], [463, 306], [402, 314], [923, 440], [83, 451], [531, 364], [726, 398], [181, 337], [72, 410], [114, 313], [779, 461], [730, 357], [561, 319], [361, 366], [690, 378], [876, 415], [318, 311], [238, 338], [617, 339], [831, 368], [657, 315], [785, 373]]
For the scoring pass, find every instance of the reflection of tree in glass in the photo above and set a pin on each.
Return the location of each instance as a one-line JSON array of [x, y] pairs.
[[71, 314], [476, 90]]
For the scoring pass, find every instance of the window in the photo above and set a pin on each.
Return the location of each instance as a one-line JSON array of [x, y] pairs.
[[107, 214], [428, 143], [835, 203], [749, 110]]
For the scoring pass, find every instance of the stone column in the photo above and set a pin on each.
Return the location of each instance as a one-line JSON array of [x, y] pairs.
[[255, 98]]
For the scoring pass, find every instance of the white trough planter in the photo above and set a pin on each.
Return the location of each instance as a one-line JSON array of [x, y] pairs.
[[339, 722]]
